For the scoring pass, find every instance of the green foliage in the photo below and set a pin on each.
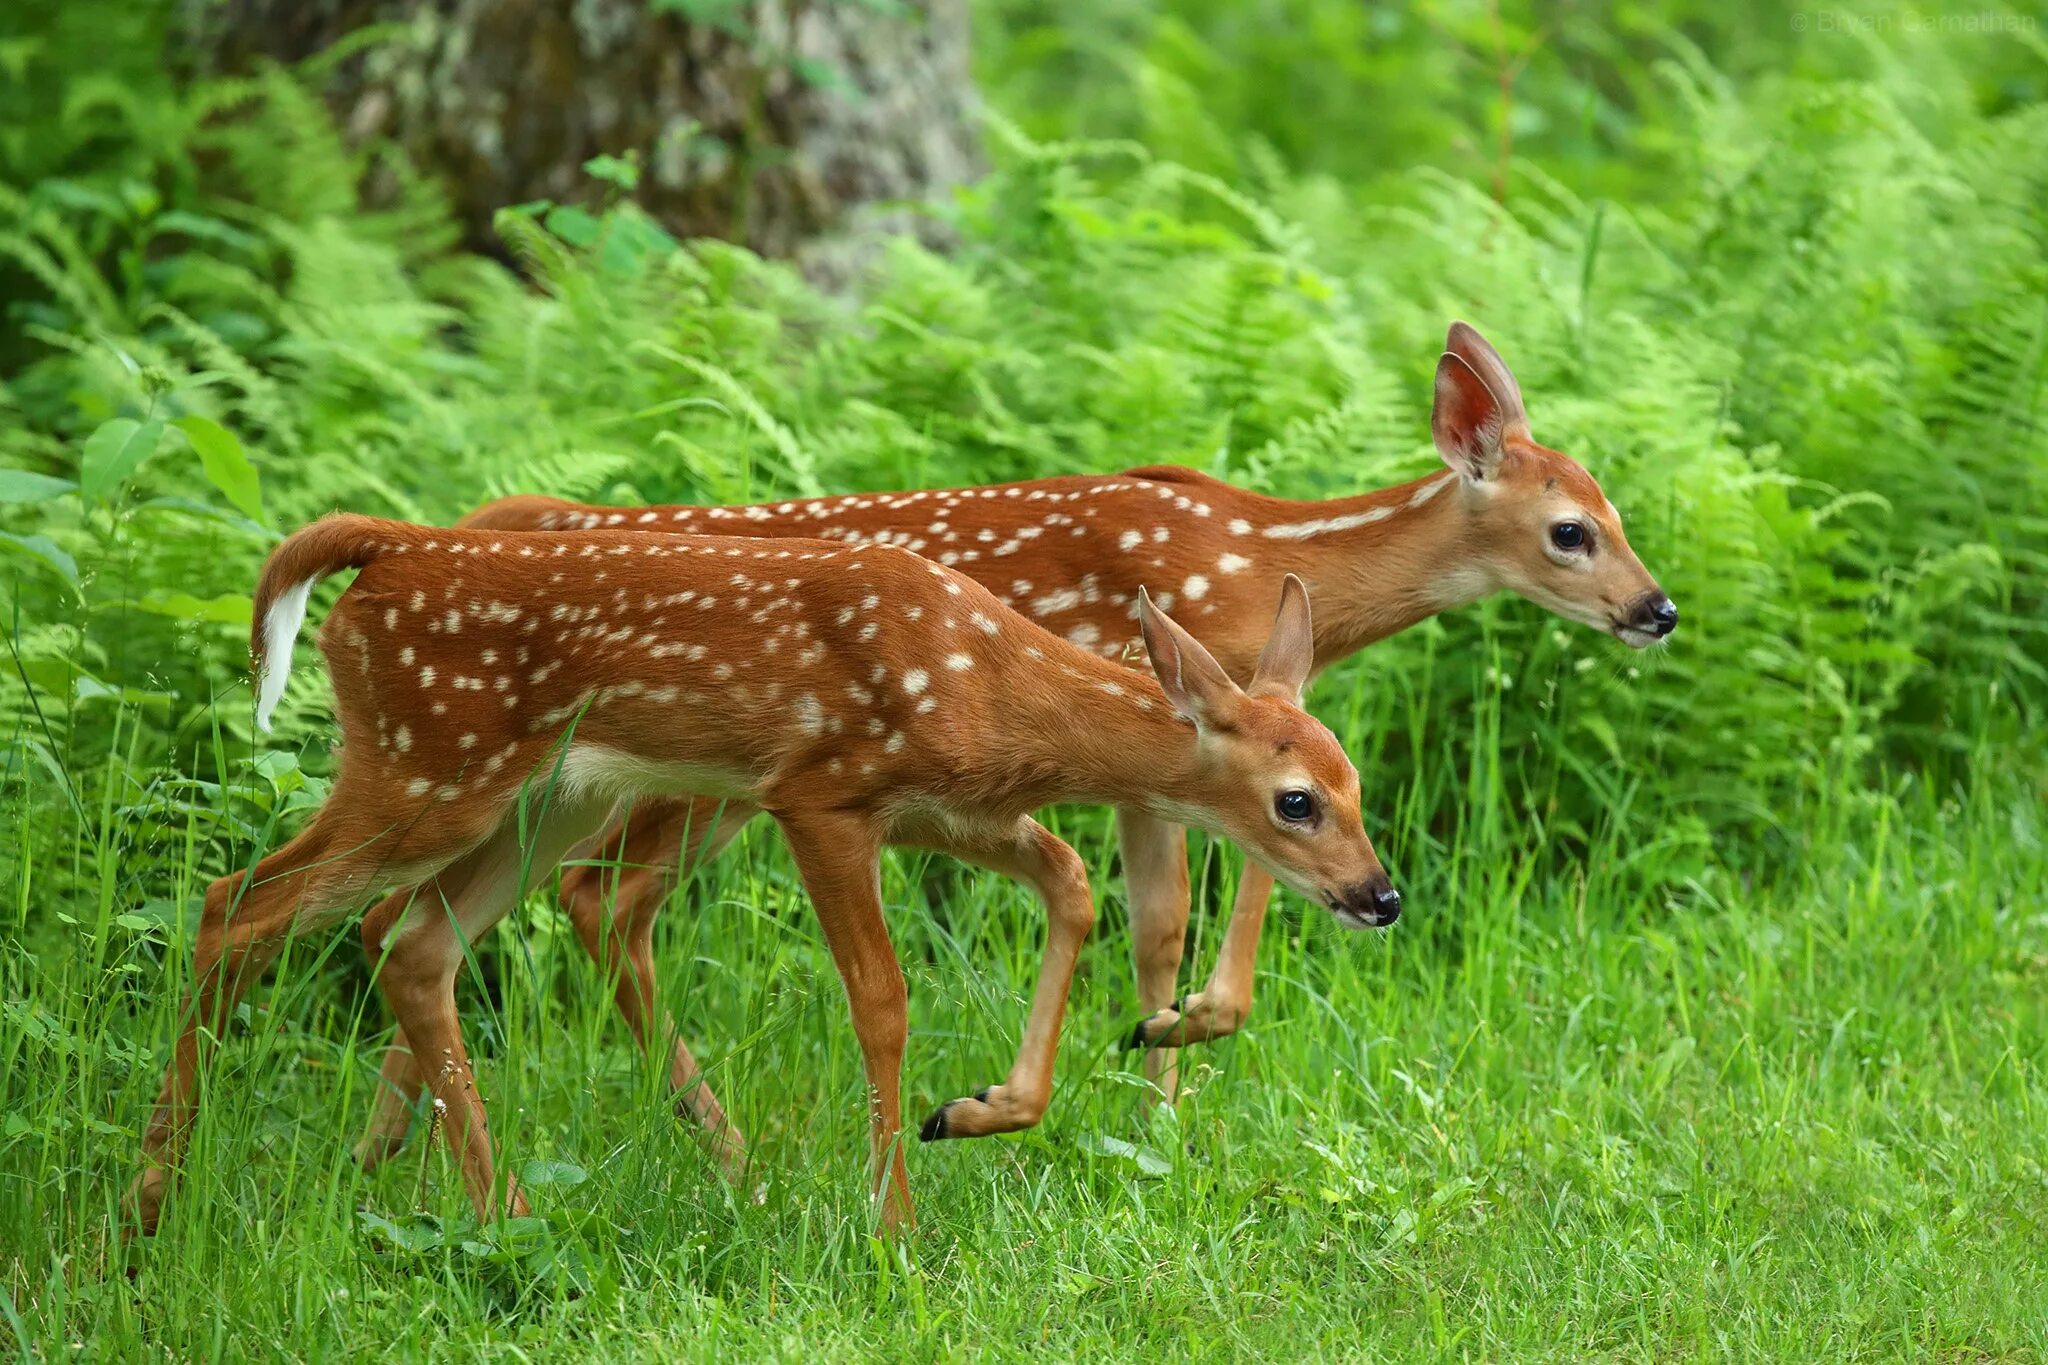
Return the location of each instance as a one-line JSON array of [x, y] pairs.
[[1725, 902]]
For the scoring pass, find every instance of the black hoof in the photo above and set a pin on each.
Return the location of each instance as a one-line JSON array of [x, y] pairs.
[[1138, 1041], [935, 1126]]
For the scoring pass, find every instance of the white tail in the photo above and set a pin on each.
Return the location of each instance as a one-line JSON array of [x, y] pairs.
[[274, 660]]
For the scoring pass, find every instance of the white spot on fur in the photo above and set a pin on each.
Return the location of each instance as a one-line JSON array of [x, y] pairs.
[[959, 663], [915, 680], [1196, 588], [1066, 599], [1232, 564]]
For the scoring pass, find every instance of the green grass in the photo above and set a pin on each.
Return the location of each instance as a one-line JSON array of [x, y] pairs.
[[1714, 1026], [1544, 1117]]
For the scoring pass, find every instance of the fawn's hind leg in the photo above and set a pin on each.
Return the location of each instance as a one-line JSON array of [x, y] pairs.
[[660, 843], [615, 924], [416, 944], [1035, 855], [353, 845]]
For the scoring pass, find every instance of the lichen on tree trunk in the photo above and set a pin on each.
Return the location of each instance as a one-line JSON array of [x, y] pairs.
[[769, 125]]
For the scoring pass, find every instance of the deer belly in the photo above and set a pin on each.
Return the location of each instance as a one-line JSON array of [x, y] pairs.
[[601, 772]]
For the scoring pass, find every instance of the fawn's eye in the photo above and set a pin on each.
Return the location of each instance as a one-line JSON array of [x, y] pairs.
[[1295, 805], [1568, 535]]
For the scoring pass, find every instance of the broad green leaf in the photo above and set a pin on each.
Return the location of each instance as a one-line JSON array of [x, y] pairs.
[[230, 608], [417, 1234], [212, 511], [226, 463], [61, 676], [46, 552], [112, 454], [22, 485], [89, 688], [549, 1171], [621, 171], [577, 227], [1145, 1159], [275, 764]]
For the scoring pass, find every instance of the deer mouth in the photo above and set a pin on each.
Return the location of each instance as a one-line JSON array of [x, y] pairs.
[[1352, 917], [1635, 637]]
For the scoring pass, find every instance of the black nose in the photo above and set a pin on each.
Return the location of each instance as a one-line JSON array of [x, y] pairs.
[[1373, 902], [1663, 616]]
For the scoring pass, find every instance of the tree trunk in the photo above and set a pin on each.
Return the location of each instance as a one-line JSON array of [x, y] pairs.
[[764, 122]]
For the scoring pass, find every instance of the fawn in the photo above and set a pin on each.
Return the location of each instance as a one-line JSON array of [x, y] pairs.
[[1071, 554], [499, 693]]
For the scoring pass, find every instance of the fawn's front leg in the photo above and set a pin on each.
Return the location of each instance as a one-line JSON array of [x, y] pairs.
[[1156, 890], [839, 857], [1034, 855], [1219, 1009]]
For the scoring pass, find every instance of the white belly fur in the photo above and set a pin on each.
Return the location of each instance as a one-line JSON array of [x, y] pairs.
[[598, 772]]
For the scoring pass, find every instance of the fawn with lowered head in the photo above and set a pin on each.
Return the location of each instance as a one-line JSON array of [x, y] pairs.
[[499, 693], [1070, 553]]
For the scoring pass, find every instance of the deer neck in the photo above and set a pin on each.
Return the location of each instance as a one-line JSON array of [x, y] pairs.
[[1380, 562], [1089, 731]]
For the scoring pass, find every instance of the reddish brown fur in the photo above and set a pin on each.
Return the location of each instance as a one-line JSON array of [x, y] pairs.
[[1060, 551], [498, 691]]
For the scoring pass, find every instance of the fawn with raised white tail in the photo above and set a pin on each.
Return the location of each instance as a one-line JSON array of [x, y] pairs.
[[1072, 552], [498, 693]]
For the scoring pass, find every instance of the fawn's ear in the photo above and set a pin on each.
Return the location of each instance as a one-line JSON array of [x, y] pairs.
[[1195, 684], [1290, 653], [1478, 405], [1464, 342]]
